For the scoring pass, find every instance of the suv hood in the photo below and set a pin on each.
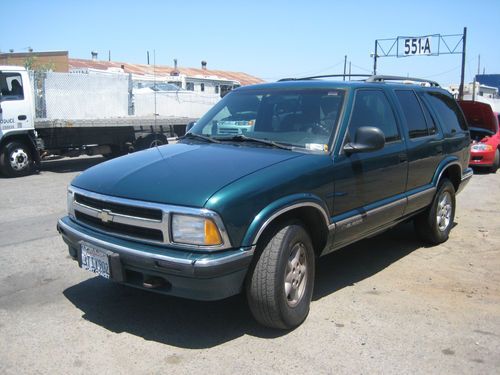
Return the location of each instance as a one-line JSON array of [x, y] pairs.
[[185, 174]]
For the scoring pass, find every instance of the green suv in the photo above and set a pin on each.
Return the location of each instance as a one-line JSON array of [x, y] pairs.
[[273, 177]]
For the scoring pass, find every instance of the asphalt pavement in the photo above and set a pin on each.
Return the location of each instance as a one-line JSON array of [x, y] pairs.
[[385, 305]]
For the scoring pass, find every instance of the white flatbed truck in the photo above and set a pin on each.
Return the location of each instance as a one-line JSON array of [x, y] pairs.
[[26, 139]]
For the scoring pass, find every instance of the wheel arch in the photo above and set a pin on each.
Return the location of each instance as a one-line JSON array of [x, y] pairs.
[[20, 136], [450, 169], [311, 213]]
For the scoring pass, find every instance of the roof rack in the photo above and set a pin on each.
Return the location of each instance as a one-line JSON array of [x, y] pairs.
[[324, 76], [400, 78], [369, 78]]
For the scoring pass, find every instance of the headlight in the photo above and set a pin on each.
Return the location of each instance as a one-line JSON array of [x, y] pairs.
[[69, 199], [195, 230], [481, 147]]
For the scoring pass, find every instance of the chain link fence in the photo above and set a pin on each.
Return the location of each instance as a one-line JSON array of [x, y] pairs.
[[95, 96]]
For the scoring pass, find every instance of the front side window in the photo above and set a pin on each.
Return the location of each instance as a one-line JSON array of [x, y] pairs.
[[11, 86], [297, 118], [371, 108]]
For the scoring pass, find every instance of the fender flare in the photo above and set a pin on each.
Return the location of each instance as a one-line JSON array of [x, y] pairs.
[[442, 167], [279, 207]]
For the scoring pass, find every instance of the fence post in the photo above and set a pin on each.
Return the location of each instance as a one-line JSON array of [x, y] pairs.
[[130, 95]]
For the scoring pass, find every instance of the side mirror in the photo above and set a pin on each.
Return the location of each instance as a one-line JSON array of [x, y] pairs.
[[190, 125], [367, 138]]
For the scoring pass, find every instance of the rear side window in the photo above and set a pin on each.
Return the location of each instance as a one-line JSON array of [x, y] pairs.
[[448, 112], [415, 120], [371, 108], [11, 86]]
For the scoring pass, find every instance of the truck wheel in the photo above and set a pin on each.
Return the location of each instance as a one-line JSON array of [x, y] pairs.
[[280, 285], [16, 159], [152, 140], [496, 162], [434, 224]]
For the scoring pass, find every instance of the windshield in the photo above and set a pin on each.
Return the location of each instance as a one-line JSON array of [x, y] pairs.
[[305, 118]]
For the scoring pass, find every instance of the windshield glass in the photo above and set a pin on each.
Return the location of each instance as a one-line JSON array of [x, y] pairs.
[[305, 118]]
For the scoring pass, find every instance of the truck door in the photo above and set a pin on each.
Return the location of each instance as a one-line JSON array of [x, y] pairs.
[[15, 113], [369, 187]]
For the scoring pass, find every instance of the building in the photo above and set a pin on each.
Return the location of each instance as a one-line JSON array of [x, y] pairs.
[[199, 79], [481, 90], [56, 61], [492, 80]]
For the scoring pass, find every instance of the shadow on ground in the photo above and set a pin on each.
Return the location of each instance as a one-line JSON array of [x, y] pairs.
[[194, 325], [67, 165]]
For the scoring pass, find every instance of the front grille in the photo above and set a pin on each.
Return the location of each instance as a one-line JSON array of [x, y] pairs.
[[121, 229], [143, 212]]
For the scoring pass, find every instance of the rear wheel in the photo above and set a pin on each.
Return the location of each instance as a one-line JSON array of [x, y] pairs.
[[496, 162], [280, 285], [16, 159], [434, 224]]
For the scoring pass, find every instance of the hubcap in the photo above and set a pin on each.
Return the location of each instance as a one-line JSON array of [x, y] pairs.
[[19, 159], [444, 211], [296, 275]]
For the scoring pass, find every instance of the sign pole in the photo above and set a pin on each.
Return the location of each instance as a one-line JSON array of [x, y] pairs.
[[461, 88]]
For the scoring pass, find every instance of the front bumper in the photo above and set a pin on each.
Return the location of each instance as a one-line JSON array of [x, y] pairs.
[[193, 275], [482, 158]]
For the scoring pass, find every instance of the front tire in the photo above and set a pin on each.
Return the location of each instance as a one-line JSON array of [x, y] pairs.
[[280, 284], [434, 224], [16, 159]]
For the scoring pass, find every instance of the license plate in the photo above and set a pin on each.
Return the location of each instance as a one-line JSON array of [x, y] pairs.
[[95, 260]]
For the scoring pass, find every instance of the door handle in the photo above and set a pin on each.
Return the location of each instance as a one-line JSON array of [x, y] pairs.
[[21, 117], [402, 158]]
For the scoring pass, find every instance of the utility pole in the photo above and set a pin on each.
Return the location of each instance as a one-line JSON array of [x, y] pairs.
[[461, 88], [375, 60], [475, 78], [349, 70], [148, 57], [345, 65]]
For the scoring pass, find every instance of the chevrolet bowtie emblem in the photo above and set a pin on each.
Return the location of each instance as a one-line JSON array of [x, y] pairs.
[[105, 216]]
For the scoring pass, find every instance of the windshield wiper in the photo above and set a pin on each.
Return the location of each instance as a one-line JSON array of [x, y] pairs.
[[199, 136], [244, 138]]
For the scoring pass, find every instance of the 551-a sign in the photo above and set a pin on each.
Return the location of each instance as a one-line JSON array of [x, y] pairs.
[[419, 45]]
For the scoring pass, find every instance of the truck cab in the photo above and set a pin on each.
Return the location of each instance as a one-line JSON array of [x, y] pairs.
[[18, 152]]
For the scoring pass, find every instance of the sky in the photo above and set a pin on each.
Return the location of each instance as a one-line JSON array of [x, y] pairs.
[[268, 39]]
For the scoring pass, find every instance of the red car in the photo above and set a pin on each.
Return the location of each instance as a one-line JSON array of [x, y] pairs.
[[485, 134]]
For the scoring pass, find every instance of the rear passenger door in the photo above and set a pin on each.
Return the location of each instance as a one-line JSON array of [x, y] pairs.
[[425, 147], [369, 186]]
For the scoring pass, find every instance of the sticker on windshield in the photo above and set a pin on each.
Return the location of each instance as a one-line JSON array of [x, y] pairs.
[[317, 147]]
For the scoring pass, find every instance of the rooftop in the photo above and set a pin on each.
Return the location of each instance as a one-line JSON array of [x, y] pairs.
[[243, 78]]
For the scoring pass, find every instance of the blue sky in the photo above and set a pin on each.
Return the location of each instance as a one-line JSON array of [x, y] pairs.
[[269, 39]]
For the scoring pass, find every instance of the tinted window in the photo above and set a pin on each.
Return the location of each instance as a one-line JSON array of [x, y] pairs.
[[431, 123], [11, 86], [448, 112], [415, 120], [371, 108]]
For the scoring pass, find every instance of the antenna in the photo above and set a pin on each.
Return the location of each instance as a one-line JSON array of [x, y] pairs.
[[154, 82]]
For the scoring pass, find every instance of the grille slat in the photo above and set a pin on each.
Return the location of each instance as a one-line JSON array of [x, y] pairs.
[[141, 212], [121, 229]]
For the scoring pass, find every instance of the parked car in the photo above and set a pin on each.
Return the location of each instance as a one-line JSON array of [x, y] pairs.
[[324, 164], [484, 130]]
